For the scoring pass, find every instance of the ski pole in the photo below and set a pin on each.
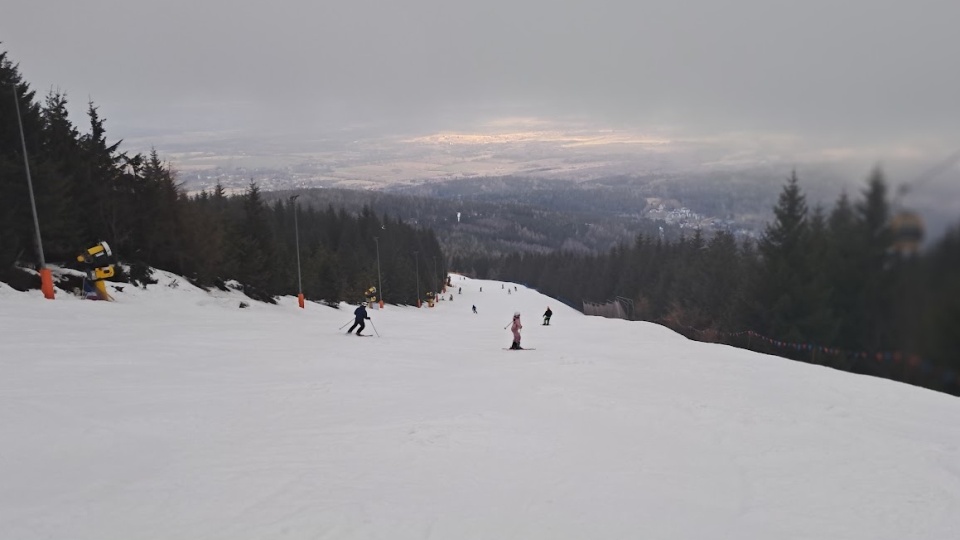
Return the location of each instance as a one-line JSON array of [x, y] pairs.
[[346, 323], [374, 328]]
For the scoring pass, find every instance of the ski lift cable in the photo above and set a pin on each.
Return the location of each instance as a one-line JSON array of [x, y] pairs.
[[927, 175], [907, 225]]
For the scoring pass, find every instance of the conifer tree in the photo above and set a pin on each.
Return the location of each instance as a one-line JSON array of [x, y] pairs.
[[55, 181], [939, 300], [843, 272], [722, 274], [320, 278], [253, 250], [16, 222], [163, 230], [105, 186], [780, 299], [283, 277], [820, 321], [205, 237], [873, 214]]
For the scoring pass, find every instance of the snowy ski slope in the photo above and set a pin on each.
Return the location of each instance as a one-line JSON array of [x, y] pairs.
[[171, 413]]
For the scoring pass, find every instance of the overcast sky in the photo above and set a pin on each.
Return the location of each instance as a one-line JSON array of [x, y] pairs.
[[856, 72]]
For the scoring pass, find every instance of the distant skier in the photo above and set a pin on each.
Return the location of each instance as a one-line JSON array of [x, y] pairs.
[[360, 313], [474, 310], [459, 290], [546, 316], [508, 291], [515, 327]]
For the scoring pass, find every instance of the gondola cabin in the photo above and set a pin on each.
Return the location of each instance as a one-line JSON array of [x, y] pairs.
[[907, 230]]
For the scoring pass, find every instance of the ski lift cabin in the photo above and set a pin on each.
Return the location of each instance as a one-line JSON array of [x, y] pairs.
[[907, 229], [906, 225]]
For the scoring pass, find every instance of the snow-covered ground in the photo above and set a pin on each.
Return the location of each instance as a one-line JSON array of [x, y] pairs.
[[171, 413]]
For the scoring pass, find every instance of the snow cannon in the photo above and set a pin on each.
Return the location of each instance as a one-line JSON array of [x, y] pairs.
[[371, 296], [97, 266], [96, 254]]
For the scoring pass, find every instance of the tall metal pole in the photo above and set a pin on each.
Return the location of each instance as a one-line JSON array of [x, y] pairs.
[[296, 229], [436, 288], [379, 282], [46, 280], [416, 258]]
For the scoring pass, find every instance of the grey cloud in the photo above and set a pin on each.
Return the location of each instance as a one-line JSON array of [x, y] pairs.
[[871, 70]]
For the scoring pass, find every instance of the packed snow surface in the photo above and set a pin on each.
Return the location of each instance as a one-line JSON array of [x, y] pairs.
[[171, 413]]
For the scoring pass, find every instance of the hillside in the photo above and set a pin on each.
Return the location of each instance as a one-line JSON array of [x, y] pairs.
[[550, 217], [171, 413]]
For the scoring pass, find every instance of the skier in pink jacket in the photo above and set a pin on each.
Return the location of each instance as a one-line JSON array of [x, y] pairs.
[[515, 328]]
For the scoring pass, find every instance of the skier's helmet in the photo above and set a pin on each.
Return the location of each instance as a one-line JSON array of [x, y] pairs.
[[516, 314], [364, 304]]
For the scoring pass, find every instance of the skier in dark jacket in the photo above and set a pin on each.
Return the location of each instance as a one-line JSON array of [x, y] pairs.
[[546, 316], [360, 313]]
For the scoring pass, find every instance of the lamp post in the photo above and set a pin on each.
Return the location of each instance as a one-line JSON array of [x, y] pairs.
[[296, 230], [436, 288], [416, 259], [379, 282], [46, 278]]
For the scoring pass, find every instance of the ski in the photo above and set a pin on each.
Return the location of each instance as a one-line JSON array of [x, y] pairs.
[[523, 349]]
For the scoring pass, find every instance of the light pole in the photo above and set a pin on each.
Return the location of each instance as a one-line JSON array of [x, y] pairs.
[[379, 282], [416, 259], [296, 230], [46, 278], [436, 288]]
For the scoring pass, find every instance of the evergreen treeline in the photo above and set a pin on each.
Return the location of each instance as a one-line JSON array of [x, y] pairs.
[[826, 278], [86, 191], [501, 224]]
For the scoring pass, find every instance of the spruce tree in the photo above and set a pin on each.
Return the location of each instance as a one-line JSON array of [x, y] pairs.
[[820, 322], [163, 227], [781, 302], [722, 275], [64, 220], [938, 298], [253, 251], [843, 272], [16, 221], [875, 240], [106, 187]]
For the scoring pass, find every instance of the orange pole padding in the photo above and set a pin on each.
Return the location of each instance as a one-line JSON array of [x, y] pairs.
[[46, 283], [418, 302], [381, 304], [300, 300]]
